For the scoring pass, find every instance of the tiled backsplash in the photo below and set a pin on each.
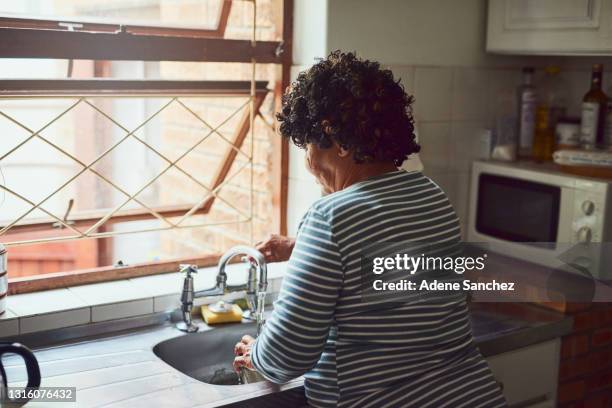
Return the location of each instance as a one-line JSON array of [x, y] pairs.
[[99, 302], [452, 105]]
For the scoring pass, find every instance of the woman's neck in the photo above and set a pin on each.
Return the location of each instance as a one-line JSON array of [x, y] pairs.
[[362, 172]]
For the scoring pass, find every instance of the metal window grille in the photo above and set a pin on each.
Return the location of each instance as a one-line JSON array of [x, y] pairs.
[[84, 92]]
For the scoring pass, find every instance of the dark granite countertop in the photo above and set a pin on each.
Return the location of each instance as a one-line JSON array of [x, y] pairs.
[[503, 327]]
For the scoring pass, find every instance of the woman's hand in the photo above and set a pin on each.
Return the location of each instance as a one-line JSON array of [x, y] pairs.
[[242, 351], [276, 248]]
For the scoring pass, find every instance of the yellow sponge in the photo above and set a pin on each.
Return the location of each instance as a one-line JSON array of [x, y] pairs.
[[233, 315]]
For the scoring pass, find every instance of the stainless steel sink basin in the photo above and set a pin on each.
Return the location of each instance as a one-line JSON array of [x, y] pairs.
[[206, 356]]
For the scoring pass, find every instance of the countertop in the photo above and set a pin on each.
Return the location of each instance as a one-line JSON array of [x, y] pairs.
[[121, 370]]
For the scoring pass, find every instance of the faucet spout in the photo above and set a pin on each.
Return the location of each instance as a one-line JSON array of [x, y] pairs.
[[255, 257], [255, 287]]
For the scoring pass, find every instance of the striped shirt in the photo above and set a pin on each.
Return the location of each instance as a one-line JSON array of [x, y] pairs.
[[353, 353]]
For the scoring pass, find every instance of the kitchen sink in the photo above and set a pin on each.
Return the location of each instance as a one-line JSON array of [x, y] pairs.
[[207, 356]]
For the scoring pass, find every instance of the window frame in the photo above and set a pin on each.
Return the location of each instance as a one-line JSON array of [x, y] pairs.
[[152, 43], [31, 37], [89, 24]]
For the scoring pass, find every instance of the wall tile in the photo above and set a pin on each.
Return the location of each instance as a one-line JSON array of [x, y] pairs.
[[9, 324], [296, 69], [413, 163], [501, 88], [276, 270], [434, 138], [207, 277], [406, 74], [55, 320], [433, 93], [275, 286], [301, 196], [121, 310], [115, 300], [297, 165], [465, 145], [166, 303], [109, 292], [48, 301], [159, 285], [469, 94]]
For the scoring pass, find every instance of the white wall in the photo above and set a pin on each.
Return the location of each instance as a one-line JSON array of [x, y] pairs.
[[309, 30], [309, 43], [437, 49], [416, 32]]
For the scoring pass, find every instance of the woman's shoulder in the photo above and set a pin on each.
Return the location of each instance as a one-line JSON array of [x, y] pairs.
[[368, 190]]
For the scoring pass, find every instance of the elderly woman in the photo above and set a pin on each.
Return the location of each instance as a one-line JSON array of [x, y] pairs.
[[354, 121]]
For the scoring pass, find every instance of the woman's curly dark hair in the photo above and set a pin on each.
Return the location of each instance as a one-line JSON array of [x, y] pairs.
[[352, 102]]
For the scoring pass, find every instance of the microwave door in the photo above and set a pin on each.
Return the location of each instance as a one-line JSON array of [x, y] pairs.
[[516, 210]]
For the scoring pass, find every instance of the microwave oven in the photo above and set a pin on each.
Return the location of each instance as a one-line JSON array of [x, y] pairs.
[[536, 213]]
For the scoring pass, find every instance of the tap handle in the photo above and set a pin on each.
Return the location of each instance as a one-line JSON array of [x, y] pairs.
[[188, 269]]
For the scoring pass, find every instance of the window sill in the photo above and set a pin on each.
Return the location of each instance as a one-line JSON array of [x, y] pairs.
[[93, 303]]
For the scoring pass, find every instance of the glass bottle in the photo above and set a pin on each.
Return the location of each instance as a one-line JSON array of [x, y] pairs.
[[526, 97], [594, 106], [552, 101], [608, 125]]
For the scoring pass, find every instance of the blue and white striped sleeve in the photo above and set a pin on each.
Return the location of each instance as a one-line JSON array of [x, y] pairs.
[[293, 339]]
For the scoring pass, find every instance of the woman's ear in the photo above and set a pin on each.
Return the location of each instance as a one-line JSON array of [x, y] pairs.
[[342, 152]]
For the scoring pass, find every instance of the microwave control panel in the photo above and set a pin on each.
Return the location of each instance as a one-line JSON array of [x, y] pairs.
[[588, 216]]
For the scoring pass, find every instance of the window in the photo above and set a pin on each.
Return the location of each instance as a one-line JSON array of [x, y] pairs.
[[141, 16], [144, 163]]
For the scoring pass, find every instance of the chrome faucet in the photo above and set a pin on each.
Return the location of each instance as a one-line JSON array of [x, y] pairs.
[[255, 288]]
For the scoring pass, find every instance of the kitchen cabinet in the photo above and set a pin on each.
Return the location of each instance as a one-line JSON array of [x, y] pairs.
[[529, 375], [550, 27]]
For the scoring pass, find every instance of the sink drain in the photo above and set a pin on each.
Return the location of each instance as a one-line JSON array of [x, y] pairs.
[[223, 376]]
